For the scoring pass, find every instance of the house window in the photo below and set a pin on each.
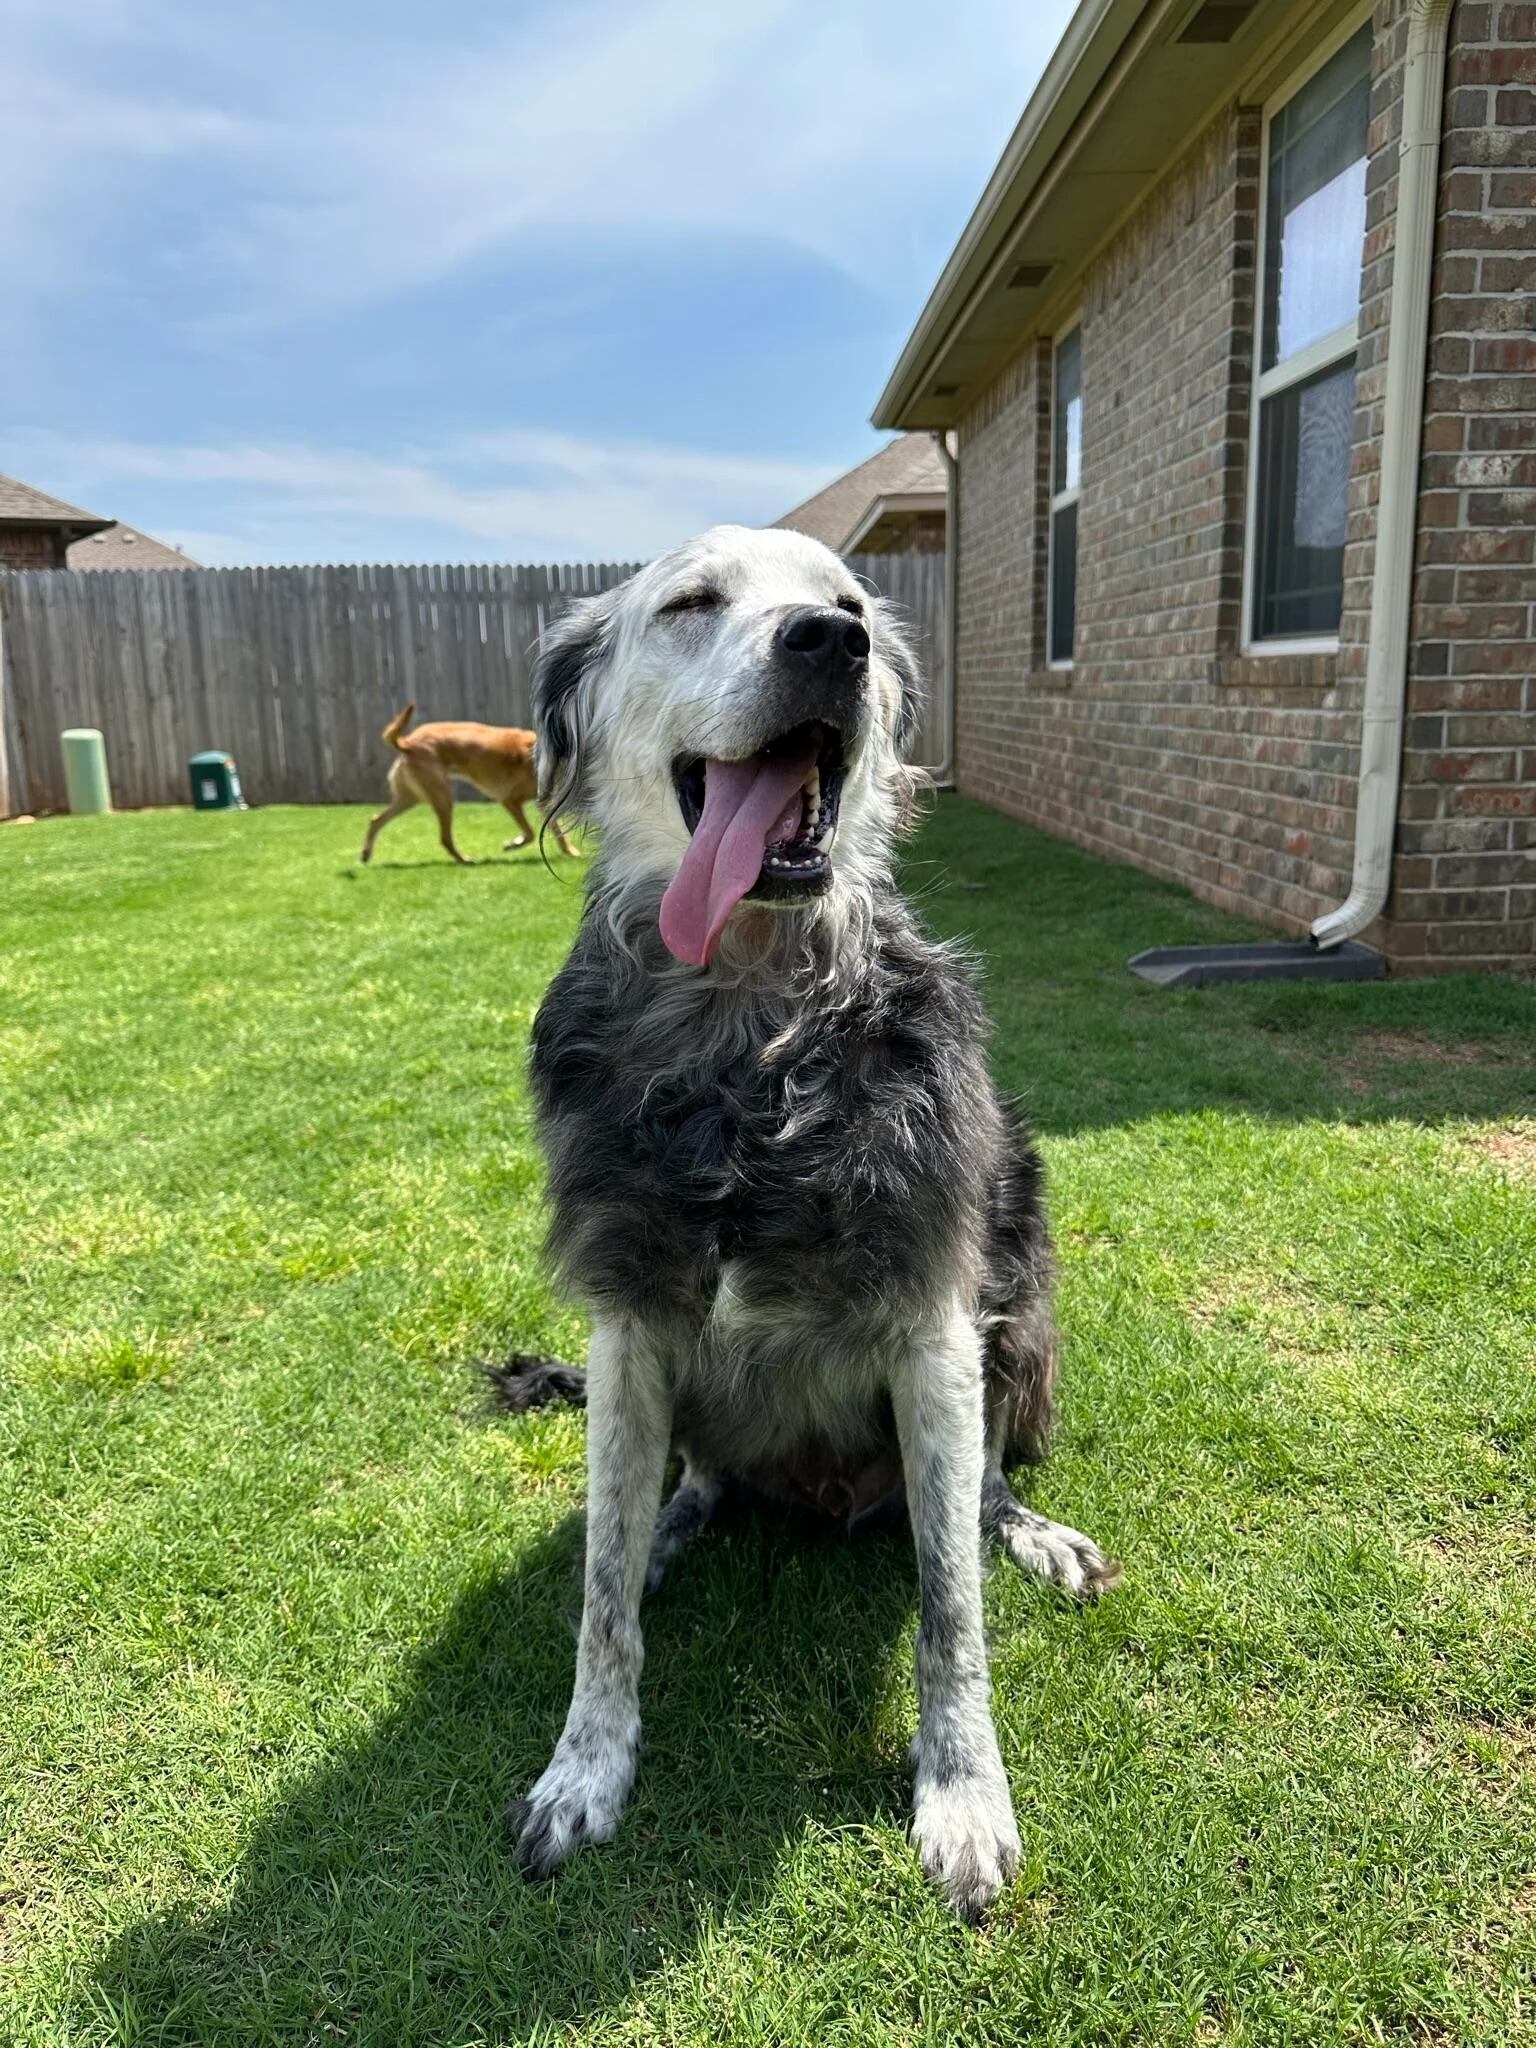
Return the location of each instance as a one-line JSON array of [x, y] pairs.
[[1066, 469], [1313, 238]]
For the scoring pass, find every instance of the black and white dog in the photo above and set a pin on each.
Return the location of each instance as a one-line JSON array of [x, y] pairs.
[[811, 1236]]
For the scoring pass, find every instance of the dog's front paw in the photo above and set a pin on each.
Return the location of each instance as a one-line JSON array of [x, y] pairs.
[[578, 1800], [967, 1837]]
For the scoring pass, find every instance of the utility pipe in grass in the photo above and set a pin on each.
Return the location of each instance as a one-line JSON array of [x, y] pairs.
[[85, 771]]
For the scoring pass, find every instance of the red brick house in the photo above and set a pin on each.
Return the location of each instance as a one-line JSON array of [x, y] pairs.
[[1236, 363]]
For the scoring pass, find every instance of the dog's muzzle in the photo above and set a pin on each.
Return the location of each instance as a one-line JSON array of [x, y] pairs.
[[761, 824]]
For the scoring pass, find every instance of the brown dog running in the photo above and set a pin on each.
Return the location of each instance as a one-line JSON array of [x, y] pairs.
[[497, 759]]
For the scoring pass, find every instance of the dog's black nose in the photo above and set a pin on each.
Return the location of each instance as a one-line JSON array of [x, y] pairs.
[[819, 637]]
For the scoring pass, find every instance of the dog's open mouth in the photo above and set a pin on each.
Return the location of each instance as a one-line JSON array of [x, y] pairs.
[[761, 828]]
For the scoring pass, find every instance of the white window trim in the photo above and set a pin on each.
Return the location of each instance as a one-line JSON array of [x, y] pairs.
[[1292, 369], [1059, 501]]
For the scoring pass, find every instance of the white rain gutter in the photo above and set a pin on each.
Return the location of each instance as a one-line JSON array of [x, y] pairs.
[[1386, 671], [944, 774]]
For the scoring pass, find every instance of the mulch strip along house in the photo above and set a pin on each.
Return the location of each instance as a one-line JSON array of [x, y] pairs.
[[1235, 360]]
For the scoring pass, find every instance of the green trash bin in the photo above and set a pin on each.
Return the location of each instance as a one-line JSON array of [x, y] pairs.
[[85, 771], [215, 783]]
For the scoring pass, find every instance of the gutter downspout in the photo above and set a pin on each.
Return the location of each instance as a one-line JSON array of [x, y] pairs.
[[943, 775], [1386, 671]]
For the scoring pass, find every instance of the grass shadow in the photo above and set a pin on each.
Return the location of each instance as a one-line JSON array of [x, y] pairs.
[[479, 860], [1090, 1047], [378, 1903]]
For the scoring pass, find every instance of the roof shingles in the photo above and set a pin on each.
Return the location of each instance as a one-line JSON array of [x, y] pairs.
[[909, 463], [124, 547], [21, 505]]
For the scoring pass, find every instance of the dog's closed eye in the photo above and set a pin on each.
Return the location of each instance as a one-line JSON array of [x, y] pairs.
[[702, 600]]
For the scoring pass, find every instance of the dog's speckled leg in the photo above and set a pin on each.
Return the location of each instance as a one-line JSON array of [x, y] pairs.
[[963, 1815], [1048, 1551], [691, 1508], [586, 1786]]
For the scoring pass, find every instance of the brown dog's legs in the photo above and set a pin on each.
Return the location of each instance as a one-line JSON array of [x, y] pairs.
[[561, 840], [434, 785], [402, 798], [524, 829]]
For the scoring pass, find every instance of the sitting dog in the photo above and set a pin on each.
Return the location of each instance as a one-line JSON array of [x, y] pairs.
[[810, 1233], [497, 759]]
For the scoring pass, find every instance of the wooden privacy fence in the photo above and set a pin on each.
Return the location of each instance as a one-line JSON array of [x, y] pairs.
[[293, 671]]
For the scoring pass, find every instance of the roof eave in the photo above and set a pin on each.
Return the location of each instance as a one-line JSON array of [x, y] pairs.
[[1077, 65], [78, 529], [906, 504]]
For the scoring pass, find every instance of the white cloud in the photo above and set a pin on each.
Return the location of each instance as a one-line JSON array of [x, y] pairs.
[[346, 161], [280, 163], [501, 496]]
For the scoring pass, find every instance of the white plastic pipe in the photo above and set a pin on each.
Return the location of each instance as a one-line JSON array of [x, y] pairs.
[[1386, 668], [944, 774]]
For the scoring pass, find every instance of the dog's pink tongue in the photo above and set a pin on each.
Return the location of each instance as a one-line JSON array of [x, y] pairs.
[[747, 806]]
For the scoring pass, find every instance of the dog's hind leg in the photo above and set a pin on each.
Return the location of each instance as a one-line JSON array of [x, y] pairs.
[[438, 792], [524, 829], [1048, 1551], [691, 1509], [1021, 1363], [561, 841], [402, 798]]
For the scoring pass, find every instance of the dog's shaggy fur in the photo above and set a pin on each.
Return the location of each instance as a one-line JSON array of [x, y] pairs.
[[811, 1235], [497, 759]]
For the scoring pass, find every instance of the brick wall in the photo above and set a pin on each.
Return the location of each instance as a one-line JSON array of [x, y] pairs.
[[31, 547], [1465, 876], [1163, 745]]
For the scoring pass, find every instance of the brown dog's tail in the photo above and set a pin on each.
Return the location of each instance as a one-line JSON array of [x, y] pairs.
[[398, 723]]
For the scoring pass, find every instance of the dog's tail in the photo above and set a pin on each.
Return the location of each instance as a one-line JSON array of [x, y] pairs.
[[526, 1381], [398, 723]]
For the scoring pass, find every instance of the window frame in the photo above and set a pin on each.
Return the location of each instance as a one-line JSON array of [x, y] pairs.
[[1322, 354], [1063, 500]]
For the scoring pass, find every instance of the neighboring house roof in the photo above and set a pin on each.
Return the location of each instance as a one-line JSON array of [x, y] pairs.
[[907, 475], [1131, 83], [120, 546], [21, 505]]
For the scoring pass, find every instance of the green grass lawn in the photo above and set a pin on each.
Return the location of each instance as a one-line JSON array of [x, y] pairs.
[[288, 1613]]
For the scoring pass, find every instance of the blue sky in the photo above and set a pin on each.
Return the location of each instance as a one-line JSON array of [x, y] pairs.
[[340, 281]]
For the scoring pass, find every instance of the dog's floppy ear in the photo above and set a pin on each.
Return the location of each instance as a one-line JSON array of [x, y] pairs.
[[572, 649], [900, 657]]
